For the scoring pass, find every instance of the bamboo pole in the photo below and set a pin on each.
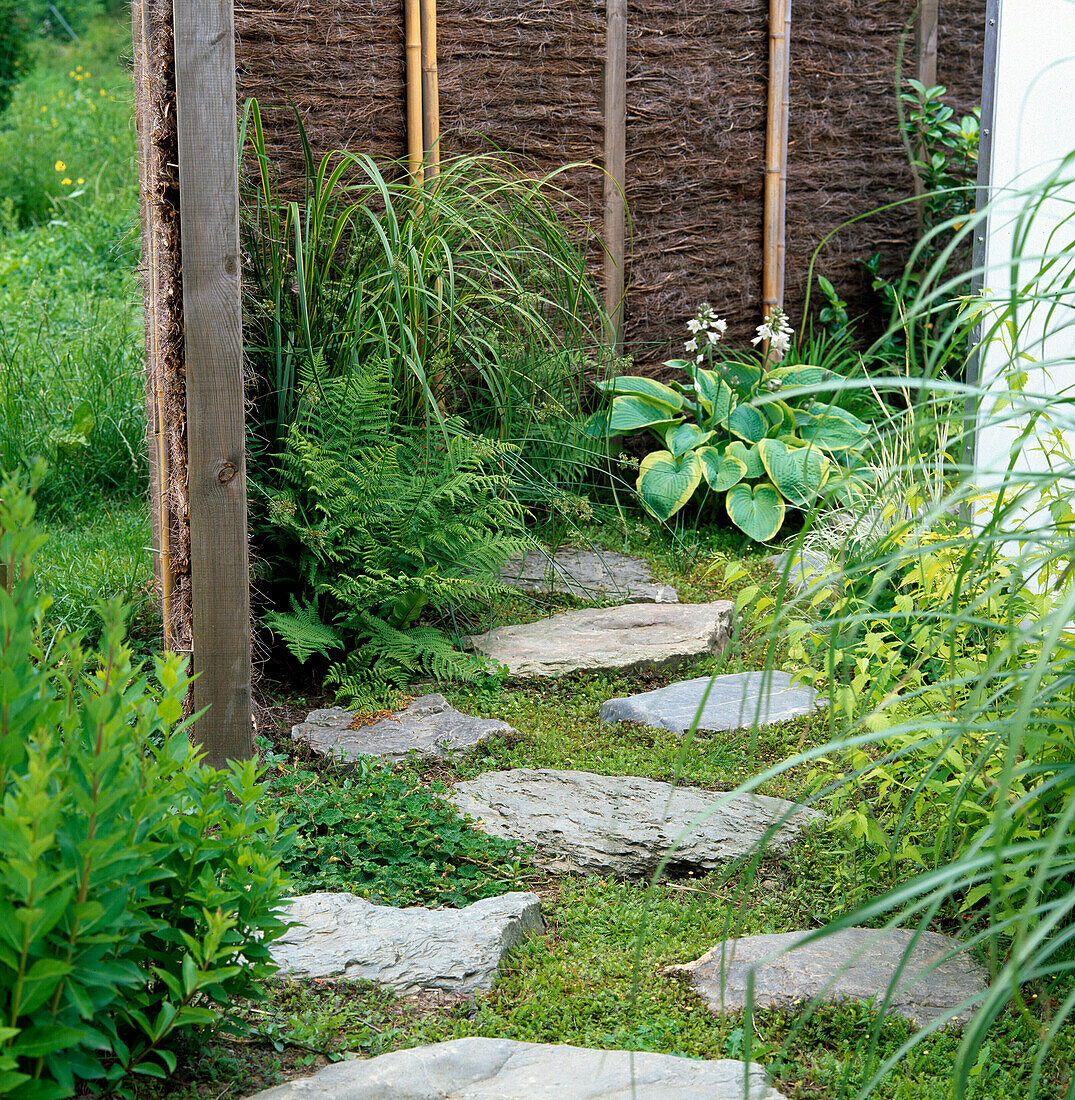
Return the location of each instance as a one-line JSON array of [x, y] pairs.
[[430, 90], [615, 164], [776, 153], [413, 53], [926, 72]]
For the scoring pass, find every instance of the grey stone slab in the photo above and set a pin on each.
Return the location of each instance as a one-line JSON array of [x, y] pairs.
[[852, 964], [503, 1069], [635, 636], [457, 950], [732, 701], [622, 825], [587, 575], [802, 568], [430, 726]]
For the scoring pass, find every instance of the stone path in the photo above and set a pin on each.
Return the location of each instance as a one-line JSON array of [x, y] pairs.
[[732, 701], [429, 727], [578, 821], [457, 950], [853, 964], [635, 636], [587, 575], [501, 1069]]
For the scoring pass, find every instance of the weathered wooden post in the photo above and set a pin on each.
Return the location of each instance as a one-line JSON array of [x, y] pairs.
[[210, 399], [615, 214]]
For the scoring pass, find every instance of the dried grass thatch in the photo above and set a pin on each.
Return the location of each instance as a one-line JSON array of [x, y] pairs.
[[527, 79]]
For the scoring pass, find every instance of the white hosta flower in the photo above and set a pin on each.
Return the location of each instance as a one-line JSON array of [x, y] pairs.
[[779, 345], [713, 336], [764, 331], [691, 344], [719, 326], [694, 325]]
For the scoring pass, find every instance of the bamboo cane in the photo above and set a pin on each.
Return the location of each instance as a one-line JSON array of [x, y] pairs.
[[615, 164], [413, 52], [430, 90], [776, 154], [926, 72]]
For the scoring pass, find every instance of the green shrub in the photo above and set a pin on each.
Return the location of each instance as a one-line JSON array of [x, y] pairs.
[[729, 430], [384, 836], [370, 527], [136, 885], [13, 48]]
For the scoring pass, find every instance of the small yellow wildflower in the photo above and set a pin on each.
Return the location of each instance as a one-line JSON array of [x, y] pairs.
[[65, 182], [80, 180], [71, 73], [44, 109], [60, 166], [103, 92], [78, 68]]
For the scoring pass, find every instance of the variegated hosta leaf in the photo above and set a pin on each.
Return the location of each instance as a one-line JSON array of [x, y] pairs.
[[721, 471], [800, 374], [834, 428], [666, 481], [643, 387], [798, 472], [748, 423], [715, 394], [749, 457], [632, 414], [685, 437], [757, 510]]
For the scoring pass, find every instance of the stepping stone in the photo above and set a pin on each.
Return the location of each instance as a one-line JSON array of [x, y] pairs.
[[578, 821], [735, 700], [429, 726], [852, 964], [636, 636], [457, 950], [503, 1069], [802, 567], [587, 576]]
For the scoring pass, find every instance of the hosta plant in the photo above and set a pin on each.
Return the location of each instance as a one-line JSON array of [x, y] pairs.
[[726, 429]]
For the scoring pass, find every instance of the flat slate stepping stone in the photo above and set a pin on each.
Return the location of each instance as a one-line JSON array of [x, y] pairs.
[[457, 950], [587, 575], [635, 636], [852, 964], [430, 726], [578, 821], [503, 1069], [735, 700]]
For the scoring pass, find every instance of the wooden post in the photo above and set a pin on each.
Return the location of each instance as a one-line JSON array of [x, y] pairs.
[[615, 164], [212, 312], [776, 154], [926, 42], [413, 53]]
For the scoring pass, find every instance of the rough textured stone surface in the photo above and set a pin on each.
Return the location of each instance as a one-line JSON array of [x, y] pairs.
[[639, 635], [458, 950], [802, 568], [587, 576], [735, 700], [502, 1069], [623, 825], [429, 726], [853, 964]]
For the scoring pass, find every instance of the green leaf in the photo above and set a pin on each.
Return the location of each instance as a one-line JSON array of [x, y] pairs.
[[632, 414], [835, 429], [649, 388], [715, 395], [721, 471], [798, 472], [757, 511], [748, 423], [801, 374], [685, 437], [749, 457], [37, 1042], [666, 481]]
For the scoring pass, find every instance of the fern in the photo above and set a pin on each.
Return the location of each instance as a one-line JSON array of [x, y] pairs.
[[386, 534]]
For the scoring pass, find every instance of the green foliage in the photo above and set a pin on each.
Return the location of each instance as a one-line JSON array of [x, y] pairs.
[[387, 837], [13, 49], [136, 885], [373, 528], [468, 290], [726, 428]]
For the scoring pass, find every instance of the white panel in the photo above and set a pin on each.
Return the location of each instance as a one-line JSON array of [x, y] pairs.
[[1030, 250]]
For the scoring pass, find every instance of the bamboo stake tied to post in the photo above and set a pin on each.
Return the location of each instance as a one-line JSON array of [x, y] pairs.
[[615, 164], [430, 90], [413, 52], [776, 154]]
